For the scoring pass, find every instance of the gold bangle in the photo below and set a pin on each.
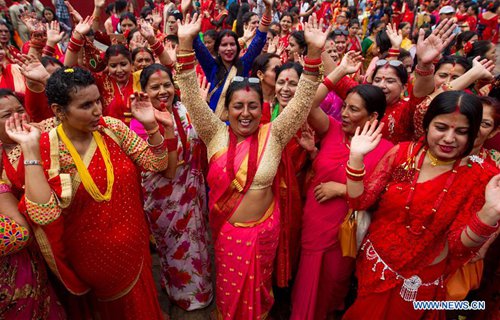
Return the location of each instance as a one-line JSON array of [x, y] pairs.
[[185, 55], [153, 131]]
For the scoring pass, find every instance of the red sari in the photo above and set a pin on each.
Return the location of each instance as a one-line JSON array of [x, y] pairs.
[[99, 249], [244, 252], [324, 275], [490, 31], [391, 252]]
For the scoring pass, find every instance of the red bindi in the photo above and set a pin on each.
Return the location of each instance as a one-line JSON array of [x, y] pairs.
[[158, 72], [286, 79], [247, 88]]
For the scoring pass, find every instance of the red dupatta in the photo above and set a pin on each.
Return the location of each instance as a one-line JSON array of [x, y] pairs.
[[225, 195]]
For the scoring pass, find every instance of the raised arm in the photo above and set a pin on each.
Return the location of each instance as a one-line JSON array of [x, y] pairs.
[[205, 121], [148, 33], [294, 115], [428, 50], [351, 62], [77, 41], [98, 6]]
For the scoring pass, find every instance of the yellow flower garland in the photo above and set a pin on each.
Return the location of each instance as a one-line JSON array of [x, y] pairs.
[[88, 182]]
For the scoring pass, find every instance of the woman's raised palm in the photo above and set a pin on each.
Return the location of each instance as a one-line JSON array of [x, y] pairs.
[[366, 139], [189, 28]]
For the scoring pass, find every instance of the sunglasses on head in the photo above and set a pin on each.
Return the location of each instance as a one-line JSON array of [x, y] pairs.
[[392, 63], [250, 80], [339, 32]]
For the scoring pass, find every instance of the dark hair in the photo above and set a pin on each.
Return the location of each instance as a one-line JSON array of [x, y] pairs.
[[383, 42], [172, 38], [462, 38], [131, 35], [373, 97], [492, 102], [46, 60], [146, 11], [11, 32], [130, 16], [272, 32], [475, 8], [210, 33], [242, 85], [293, 10], [289, 65], [150, 70], [375, 25], [248, 16], [479, 48], [403, 24], [109, 8], [120, 5], [469, 105], [301, 40], [232, 13], [453, 60], [175, 13], [236, 62], [353, 22], [115, 50], [244, 8], [261, 62], [399, 70], [492, 6], [65, 81], [4, 92], [136, 51]]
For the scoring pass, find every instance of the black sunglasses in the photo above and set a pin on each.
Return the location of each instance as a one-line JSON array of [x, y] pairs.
[[339, 32]]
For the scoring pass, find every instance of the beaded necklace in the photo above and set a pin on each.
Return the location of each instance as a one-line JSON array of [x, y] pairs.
[[439, 200]]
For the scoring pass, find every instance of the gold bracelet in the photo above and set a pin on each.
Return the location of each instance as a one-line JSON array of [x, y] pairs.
[[188, 55], [153, 131]]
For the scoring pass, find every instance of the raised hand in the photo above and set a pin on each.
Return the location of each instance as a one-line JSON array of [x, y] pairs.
[[351, 62], [248, 32], [77, 17], [272, 46], [367, 139], [189, 28], [314, 34], [157, 17], [186, 6], [204, 86], [164, 118], [32, 69], [306, 139], [142, 109], [430, 48], [31, 22], [54, 33], [394, 35], [329, 190], [171, 49], [84, 26], [484, 68], [147, 30], [21, 132]]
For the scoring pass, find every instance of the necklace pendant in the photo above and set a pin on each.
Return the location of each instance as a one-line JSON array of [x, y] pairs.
[[415, 233], [410, 287]]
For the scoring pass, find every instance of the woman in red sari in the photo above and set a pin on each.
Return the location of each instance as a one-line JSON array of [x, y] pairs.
[[435, 208], [324, 275], [95, 243], [244, 158], [489, 22]]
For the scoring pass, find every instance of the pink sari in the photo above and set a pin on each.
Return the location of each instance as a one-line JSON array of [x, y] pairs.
[[321, 257], [244, 252]]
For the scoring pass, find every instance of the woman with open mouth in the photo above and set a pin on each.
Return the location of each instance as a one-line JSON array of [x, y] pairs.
[[243, 159]]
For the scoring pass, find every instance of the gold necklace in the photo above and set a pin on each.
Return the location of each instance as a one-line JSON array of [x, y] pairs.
[[86, 178], [436, 162]]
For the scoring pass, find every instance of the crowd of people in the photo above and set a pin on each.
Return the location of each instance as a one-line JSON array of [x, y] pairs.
[[285, 159]]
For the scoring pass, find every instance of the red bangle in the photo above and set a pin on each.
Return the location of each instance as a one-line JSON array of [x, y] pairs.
[[171, 144], [397, 51], [311, 69], [424, 73], [480, 228], [355, 171], [186, 59], [328, 84], [49, 51], [354, 178], [309, 61], [470, 238]]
